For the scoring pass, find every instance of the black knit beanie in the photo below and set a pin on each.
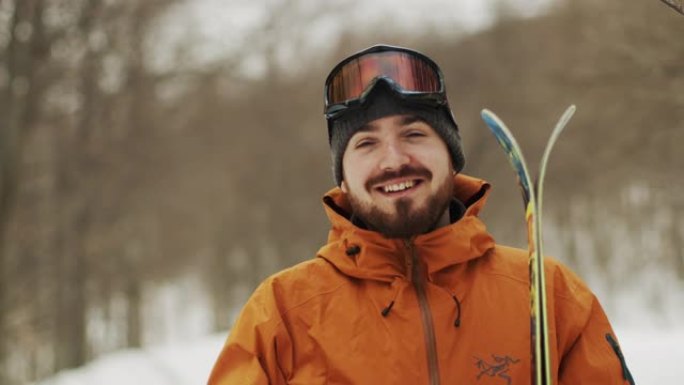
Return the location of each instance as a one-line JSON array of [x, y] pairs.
[[383, 102]]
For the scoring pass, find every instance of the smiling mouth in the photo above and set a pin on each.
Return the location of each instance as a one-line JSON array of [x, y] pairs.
[[396, 188]]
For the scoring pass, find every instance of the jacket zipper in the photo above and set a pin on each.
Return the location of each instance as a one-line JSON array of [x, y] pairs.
[[418, 280]]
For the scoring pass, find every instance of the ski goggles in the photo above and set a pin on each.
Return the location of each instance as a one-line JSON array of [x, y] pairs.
[[412, 75]]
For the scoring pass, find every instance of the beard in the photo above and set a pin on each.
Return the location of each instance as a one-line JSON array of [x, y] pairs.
[[405, 221]]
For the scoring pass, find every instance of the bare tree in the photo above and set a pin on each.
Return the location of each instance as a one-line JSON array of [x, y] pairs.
[[53, 103], [21, 61], [677, 6]]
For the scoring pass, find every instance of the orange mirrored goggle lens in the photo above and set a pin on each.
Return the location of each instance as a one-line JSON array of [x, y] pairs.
[[412, 74]]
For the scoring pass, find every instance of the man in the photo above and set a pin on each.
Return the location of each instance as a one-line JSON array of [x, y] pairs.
[[410, 288]]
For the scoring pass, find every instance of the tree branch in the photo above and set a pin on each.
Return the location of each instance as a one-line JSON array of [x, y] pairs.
[[677, 6]]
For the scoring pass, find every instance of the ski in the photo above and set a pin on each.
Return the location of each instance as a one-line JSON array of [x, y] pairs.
[[532, 199]]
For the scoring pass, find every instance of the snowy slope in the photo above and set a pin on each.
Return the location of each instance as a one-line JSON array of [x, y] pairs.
[[653, 357], [171, 365]]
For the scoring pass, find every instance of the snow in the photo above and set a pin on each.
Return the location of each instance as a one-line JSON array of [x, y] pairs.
[[652, 356], [181, 364]]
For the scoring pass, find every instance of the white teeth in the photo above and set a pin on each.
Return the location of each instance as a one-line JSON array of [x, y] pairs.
[[399, 186]]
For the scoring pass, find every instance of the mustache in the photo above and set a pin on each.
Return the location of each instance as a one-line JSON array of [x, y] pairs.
[[403, 172]]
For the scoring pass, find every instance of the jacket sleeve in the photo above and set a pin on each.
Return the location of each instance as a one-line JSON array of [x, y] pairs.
[[590, 353], [256, 346]]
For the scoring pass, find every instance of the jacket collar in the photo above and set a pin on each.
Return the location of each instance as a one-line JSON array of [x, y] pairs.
[[366, 254]]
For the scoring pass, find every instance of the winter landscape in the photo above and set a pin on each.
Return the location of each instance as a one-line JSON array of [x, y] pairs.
[[159, 159]]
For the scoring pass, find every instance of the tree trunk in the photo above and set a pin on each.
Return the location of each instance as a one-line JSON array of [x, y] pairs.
[[26, 48], [133, 315]]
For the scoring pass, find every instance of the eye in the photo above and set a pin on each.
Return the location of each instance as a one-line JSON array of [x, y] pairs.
[[414, 134], [366, 142]]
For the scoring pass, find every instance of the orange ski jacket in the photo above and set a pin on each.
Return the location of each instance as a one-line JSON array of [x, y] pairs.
[[446, 307]]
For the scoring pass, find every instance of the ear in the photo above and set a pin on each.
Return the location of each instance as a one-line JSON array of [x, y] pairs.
[[344, 188]]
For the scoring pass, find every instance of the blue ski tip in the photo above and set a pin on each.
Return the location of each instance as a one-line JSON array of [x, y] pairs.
[[489, 119], [499, 129], [492, 121]]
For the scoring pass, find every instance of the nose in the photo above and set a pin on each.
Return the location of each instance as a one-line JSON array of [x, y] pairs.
[[394, 156]]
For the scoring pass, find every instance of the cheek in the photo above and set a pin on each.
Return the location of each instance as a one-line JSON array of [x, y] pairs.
[[355, 173], [439, 163]]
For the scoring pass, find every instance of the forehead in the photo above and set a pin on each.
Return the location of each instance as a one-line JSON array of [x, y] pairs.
[[392, 121]]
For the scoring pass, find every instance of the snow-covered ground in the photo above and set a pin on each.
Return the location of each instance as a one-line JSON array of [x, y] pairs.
[[653, 356], [180, 364]]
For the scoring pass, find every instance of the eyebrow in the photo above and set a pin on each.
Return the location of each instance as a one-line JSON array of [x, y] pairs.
[[405, 121]]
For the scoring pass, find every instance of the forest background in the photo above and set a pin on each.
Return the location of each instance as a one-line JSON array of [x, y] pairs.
[[148, 181]]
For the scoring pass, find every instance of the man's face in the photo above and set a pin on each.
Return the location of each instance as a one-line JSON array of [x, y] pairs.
[[397, 176]]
